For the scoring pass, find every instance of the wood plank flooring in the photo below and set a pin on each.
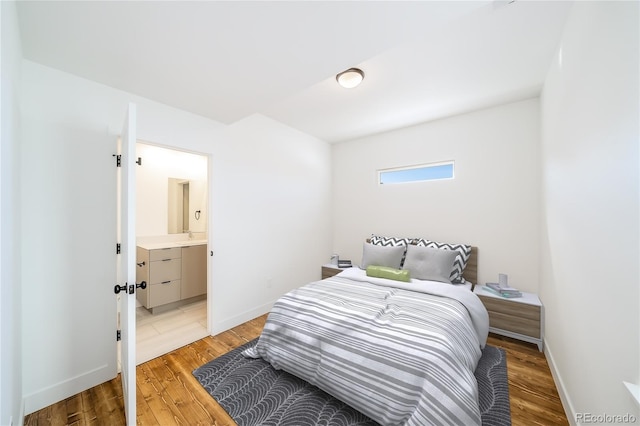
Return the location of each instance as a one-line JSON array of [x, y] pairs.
[[168, 394]]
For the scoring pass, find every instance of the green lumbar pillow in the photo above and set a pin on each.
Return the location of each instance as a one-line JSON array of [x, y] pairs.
[[389, 273]]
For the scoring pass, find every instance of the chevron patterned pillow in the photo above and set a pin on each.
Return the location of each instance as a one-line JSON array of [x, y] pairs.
[[464, 251], [391, 242]]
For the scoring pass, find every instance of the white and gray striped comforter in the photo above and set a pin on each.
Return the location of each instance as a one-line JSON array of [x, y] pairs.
[[402, 356]]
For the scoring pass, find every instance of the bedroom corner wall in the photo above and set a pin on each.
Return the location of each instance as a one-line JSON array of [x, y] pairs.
[[279, 198], [10, 290], [590, 206], [269, 202], [493, 202]]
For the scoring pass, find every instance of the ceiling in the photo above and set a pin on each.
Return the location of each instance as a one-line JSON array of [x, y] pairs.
[[423, 60]]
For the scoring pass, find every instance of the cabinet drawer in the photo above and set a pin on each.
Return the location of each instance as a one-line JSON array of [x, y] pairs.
[[164, 293], [329, 272], [509, 307], [166, 253], [165, 270], [514, 324], [513, 316]]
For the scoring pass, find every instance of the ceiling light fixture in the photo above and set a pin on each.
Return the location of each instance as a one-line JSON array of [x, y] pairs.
[[350, 78]]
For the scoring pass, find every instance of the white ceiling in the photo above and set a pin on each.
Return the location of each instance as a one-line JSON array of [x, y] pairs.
[[422, 60]]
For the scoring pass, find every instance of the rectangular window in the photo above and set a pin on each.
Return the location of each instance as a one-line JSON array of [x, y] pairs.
[[424, 172]]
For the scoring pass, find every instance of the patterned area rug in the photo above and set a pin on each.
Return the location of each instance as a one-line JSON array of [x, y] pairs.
[[254, 393]]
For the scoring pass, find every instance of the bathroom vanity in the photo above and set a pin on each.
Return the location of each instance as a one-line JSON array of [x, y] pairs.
[[175, 272]]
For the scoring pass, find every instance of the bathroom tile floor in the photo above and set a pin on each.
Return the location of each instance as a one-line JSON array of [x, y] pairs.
[[157, 334]]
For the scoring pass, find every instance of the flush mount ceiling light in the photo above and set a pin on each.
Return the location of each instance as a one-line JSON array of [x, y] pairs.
[[350, 78]]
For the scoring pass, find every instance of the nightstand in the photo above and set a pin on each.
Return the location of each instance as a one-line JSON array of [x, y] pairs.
[[329, 270], [521, 318]]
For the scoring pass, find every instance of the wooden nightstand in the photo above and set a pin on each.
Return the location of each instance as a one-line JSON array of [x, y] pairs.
[[521, 318], [329, 270]]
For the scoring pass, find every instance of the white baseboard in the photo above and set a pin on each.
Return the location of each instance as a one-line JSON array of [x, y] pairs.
[[569, 411], [20, 421], [228, 323], [50, 395]]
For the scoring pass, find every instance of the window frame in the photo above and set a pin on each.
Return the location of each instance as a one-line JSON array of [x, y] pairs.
[[381, 172]]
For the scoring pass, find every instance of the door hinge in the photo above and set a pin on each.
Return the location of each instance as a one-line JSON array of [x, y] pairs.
[[118, 160], [139, 162], [118, 248], [118, 335]]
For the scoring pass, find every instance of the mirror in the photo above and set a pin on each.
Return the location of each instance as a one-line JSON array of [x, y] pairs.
[[187, 206]]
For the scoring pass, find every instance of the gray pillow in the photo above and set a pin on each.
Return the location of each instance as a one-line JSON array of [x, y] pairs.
[[426, 263], [382, 256], [464, 252]]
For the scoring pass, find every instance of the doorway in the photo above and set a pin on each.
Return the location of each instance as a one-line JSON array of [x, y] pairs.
[[172, 239]]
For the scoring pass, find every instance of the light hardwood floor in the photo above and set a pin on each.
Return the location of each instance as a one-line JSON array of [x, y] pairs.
[[168, 394]]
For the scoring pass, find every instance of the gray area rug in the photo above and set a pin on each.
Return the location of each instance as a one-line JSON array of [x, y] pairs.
[[254, 393]]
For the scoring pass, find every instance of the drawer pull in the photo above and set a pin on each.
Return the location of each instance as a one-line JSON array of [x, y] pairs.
[[166, 260], [165, 282]]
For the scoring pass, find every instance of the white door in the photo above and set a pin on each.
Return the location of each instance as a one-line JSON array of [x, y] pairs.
[[127, 261]]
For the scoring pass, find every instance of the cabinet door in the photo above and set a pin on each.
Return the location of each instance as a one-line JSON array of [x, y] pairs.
[[194, 271]]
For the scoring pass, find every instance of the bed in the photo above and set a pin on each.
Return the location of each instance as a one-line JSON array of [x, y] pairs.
[[400, 352]]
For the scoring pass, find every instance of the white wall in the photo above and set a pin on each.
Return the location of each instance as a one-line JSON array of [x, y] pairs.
[[274, 187], [590, 257], [152, 180], [269, 202], [492, 203], [10, 292], [67, 199]]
